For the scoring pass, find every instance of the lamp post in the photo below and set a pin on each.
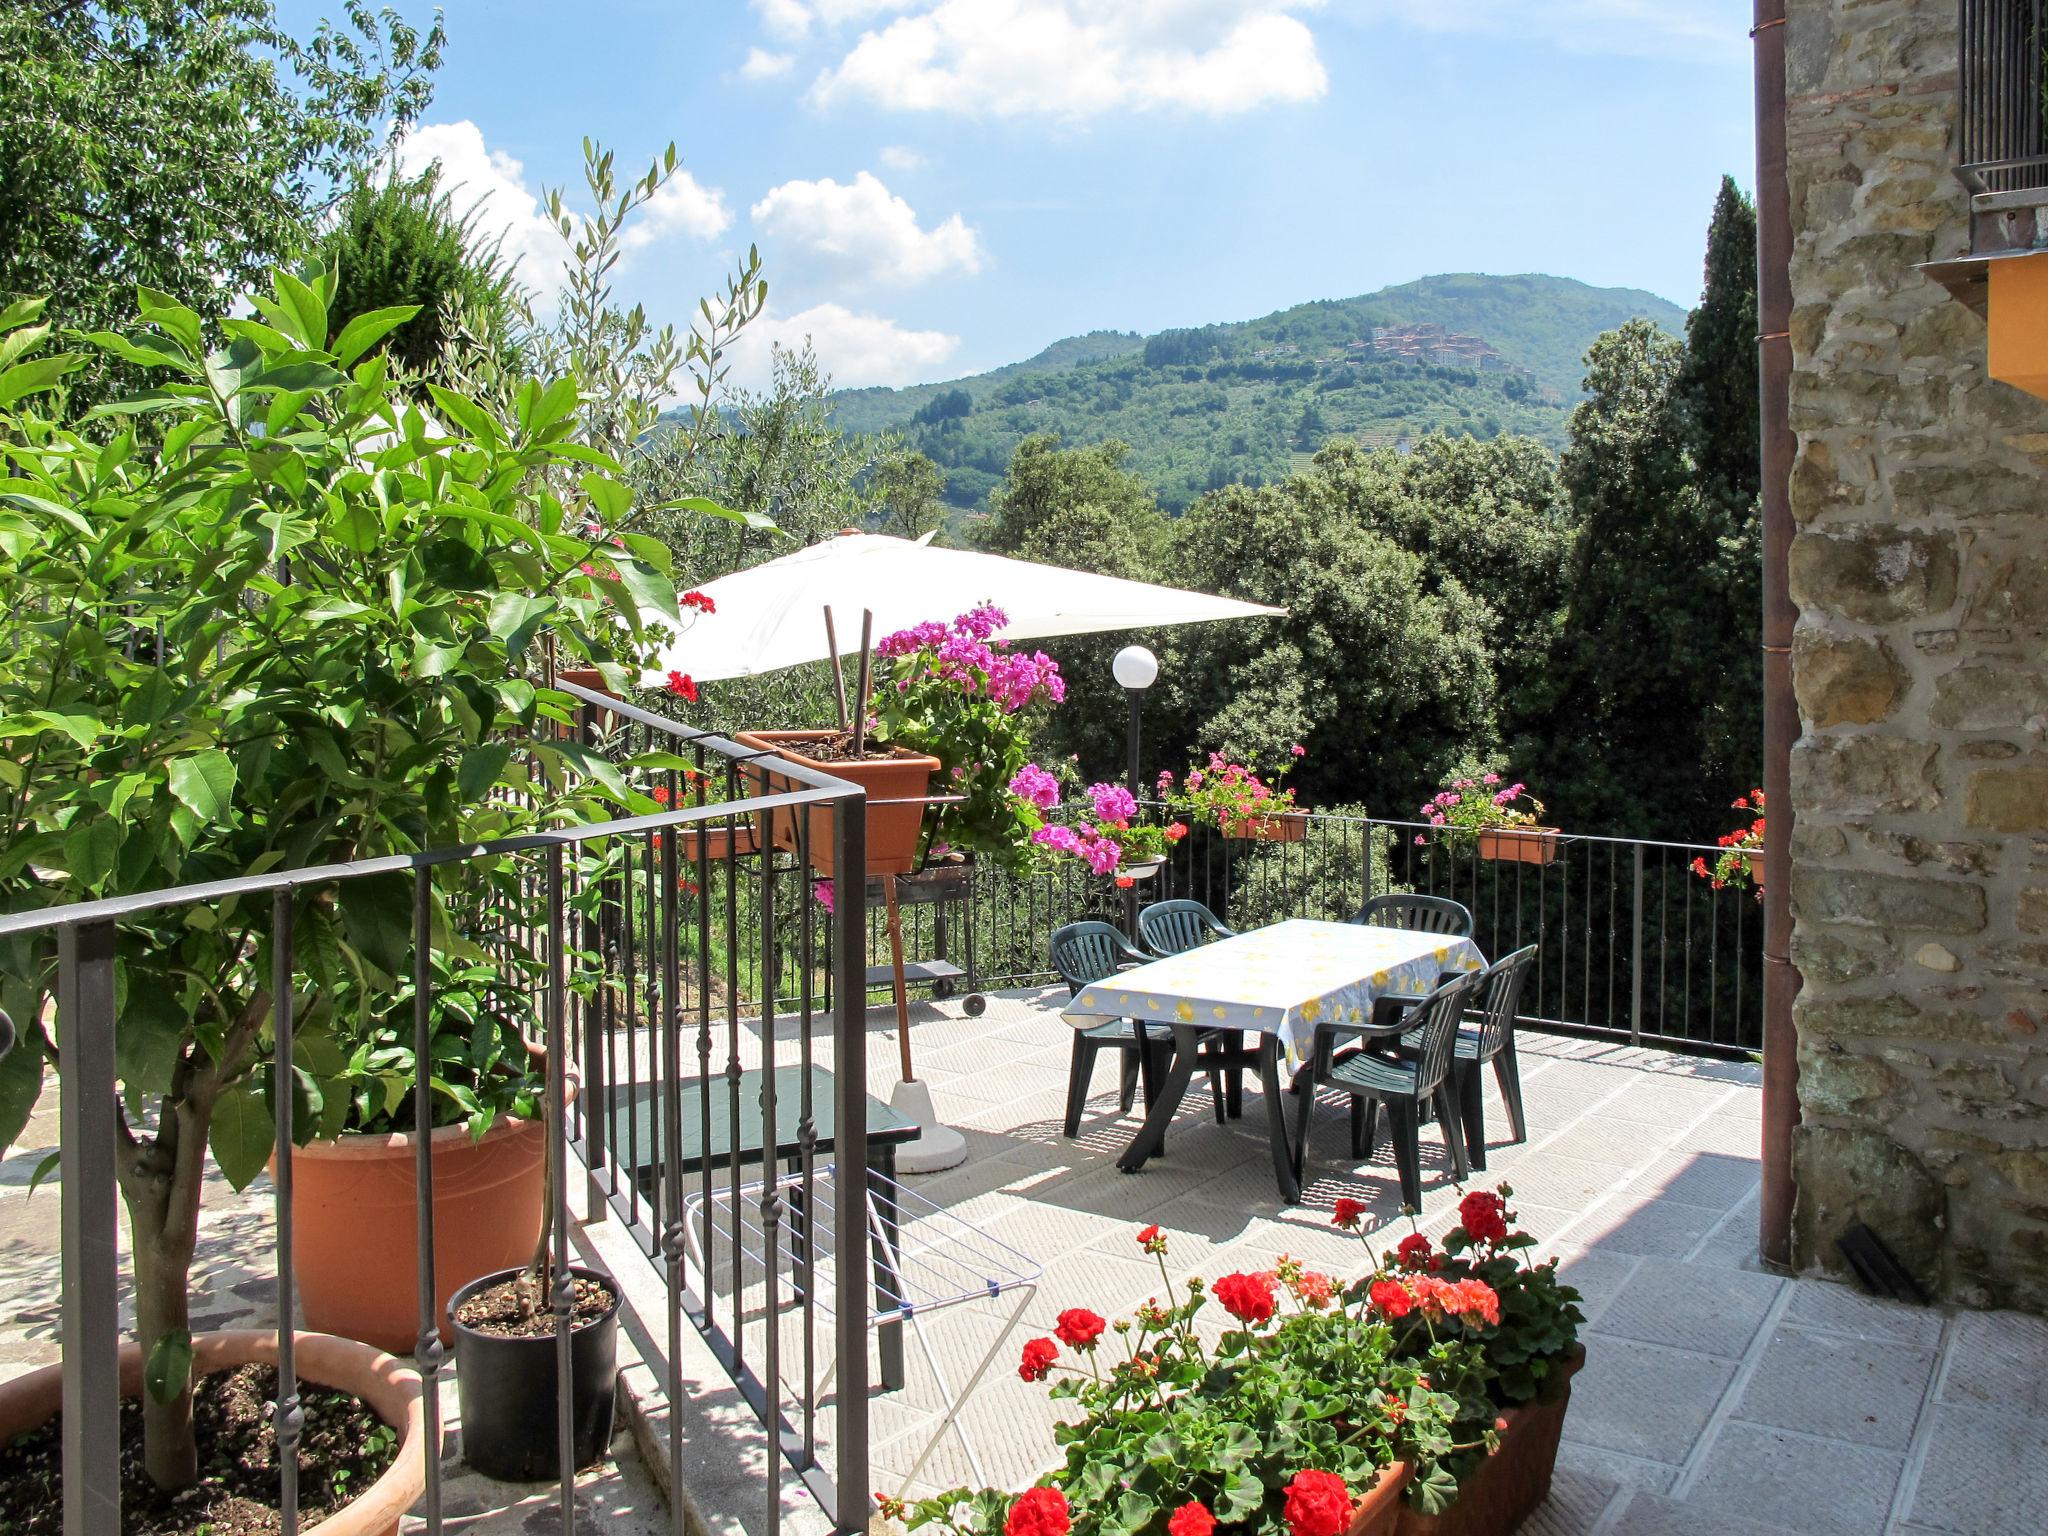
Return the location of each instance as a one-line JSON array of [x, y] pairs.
[[1136, 669]]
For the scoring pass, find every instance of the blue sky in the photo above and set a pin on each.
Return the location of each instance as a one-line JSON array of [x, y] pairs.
[[940, 186]]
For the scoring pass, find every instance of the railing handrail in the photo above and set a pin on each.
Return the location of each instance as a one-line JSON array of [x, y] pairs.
[[1370, 820], [825, 789]]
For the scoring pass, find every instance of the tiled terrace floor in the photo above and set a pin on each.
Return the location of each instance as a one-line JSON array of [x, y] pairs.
[[1718, 1400]]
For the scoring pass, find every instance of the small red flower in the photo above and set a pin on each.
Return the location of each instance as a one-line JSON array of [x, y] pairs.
[[1175, 831], [660, 794], [1500, 1424], [1039, 1512], [1152, 1240], [1414, 1252], [1349, 1213], [1191, 1519], [1039, 1355], [1124, 882], [698, 601], [1390, 1298], [683, 686], [1318, 1504], [1484, 1216], [1078, 1328], [1248, 1298]]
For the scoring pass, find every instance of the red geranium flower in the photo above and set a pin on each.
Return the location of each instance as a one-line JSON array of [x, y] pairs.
[[1414, 1252], [1390, 1298], [1152, 1240], [1484, 1215], [1175, 831], [1078, 1328], [1124, 882], [1191, 1519], [660, 794], [1318, 1504], [1349, 1212], [1039, 1355], [1248, 1298], [698, 601], [682, 686], [1039, 1512]]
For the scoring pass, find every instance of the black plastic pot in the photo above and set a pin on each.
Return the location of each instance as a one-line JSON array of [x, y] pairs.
[[507, 1390]]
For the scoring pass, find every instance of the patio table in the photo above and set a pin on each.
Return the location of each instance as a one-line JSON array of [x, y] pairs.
[[1278, 982]]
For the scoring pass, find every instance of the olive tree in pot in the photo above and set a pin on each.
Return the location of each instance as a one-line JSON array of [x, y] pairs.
[[269, 614]]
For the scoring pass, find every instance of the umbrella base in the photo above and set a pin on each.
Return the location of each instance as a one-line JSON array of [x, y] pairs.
[[938, 1147]]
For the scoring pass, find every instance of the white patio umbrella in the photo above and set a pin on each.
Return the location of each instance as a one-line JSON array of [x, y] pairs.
[[770, 616]]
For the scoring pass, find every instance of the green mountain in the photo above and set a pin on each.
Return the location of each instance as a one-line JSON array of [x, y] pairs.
[[1248, 400]]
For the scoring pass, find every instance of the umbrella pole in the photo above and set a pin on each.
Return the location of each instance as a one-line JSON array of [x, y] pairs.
[[860, 714], [838, 672], [896, 967]]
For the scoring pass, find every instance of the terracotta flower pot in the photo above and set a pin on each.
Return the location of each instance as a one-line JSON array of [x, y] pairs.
[[355, 1249], [390, 1389], [717, 843], [1519, 845], [1379, 1506], [1754, 858], [903, 779], [1288, 827], [1505, 1488]]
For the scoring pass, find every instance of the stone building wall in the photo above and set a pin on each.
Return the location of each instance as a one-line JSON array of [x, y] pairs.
[[1920, 780]]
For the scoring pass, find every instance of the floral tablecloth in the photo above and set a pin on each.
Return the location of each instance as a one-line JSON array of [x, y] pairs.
[[1282, 980]]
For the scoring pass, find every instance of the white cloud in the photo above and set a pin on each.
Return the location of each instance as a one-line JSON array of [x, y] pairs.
[[763, 65], [683, 205], [784, 18], [1076, 59], [901, 157], [1585, 26], [864, 232], [493, 184], [855, 348]]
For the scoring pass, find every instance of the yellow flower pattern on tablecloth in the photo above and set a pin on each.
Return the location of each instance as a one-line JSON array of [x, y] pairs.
[[1283, 980]]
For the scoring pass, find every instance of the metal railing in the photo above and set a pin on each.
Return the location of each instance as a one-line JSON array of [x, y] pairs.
[[613, 971], [1631, 944], [2003, 123]]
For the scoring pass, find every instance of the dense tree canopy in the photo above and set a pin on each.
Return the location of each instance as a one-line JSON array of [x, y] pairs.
[[403, 241], [183, 144]]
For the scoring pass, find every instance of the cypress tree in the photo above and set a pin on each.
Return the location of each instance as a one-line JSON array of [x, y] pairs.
[[1717, 387]]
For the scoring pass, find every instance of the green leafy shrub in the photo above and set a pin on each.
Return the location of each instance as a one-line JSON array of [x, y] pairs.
[[271, 613]]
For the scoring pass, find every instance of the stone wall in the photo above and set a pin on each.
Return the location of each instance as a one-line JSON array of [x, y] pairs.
[[1920, 780]]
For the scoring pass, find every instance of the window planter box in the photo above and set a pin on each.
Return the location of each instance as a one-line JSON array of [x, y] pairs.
[[1288, 827], [1379, 1506], [1506, 1487], [1519, 845], [903, 779]]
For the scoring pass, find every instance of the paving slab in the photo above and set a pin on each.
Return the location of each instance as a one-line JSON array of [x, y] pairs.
[[1690, 1306], [1812, 1486], [1858, 1390], [1984, 1475], [1645, 1400]]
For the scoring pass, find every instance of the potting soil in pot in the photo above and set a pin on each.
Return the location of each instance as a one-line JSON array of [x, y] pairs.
[[839, 749], [344, 1449], [503, 1310]]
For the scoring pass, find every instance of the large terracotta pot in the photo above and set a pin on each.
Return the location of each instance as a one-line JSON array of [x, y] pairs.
[[390, 1388], [903, 779], [1506, 1487], [355, 1247], [1379, 1506], [1519, 845]]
